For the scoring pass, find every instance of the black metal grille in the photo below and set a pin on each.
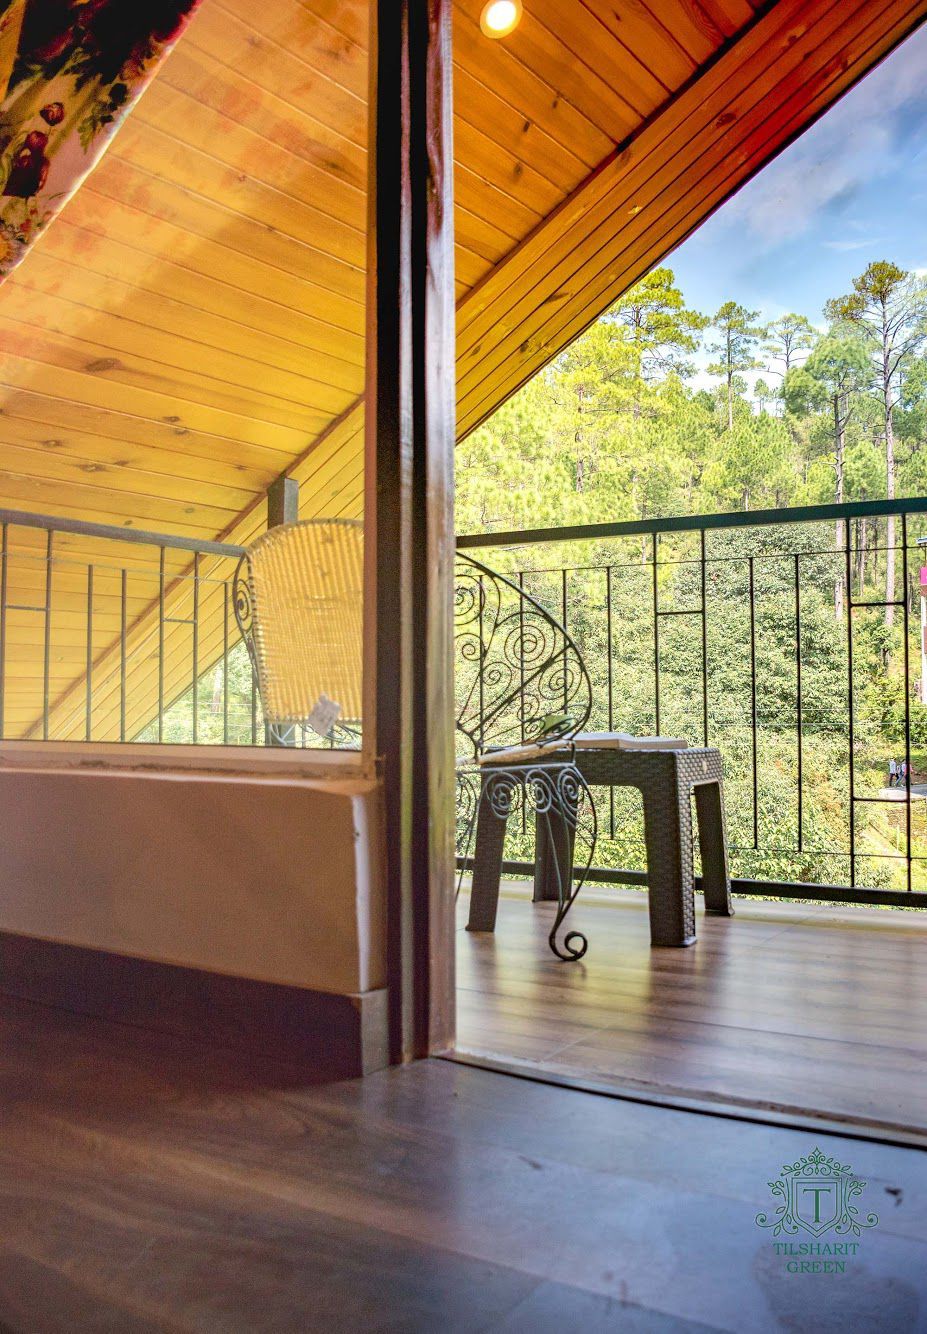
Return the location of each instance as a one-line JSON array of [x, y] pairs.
[[721, 592]]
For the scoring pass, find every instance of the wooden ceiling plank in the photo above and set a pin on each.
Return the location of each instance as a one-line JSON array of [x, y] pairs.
[[57, 422], [46, 498], [652, 39], [96, 295], [117, 362], [474, 193], [193, 71], [489, 240], [592, 46], [513, 177], [81, 469], [72, 585], [584, 88], [235, 189], [26, 566], [499, 65], [25, 490], [95, 390], [692, 26], [207, 219], [212, 370], [192, 122], [104, 214], [67, 244], [351, 18], [480, 105], [316, 43], [728, 15], [251, 60]]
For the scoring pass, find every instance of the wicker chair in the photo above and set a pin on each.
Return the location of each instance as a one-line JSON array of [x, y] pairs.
[[522, 695], [299, 597]]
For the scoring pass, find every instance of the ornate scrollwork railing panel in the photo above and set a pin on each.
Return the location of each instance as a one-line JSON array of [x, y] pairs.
[[515, 664]]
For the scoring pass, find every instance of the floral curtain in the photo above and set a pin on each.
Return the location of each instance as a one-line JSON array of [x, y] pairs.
[[70, 70]]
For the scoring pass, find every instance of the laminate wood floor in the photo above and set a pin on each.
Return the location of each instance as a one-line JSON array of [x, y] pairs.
[[145, 1187], [786, 1006]]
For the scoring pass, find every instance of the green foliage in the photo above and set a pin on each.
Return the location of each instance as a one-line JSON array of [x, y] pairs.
[[616, 429]]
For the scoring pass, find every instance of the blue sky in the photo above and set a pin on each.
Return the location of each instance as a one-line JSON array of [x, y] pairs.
[[852, 189]]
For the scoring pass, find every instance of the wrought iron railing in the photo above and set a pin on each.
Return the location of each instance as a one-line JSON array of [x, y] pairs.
[[764, 634]]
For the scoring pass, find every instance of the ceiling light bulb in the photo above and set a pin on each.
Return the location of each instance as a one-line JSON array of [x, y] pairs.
[[500, 17]]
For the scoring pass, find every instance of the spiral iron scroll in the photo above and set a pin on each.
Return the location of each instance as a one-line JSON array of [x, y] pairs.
[[557, 798], [515, 664], [243, 607]]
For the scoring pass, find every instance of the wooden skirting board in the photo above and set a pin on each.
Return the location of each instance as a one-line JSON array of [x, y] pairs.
[[324, 1034]]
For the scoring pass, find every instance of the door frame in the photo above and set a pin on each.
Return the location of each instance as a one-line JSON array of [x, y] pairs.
[[409, 508]]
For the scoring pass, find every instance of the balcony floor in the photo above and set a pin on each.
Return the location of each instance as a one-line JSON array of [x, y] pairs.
[[792, 1008]]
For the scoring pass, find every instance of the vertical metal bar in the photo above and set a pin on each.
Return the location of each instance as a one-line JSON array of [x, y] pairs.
[[611, 696], [756, 800], [850, 722], [521, 681], [704, 645], [907, 698], [254, 700], [88, 668], [482, 658], [161, 646], [656, 637], [521, 663], [46, 670], [196, 647], [123, 622], [798, 700], [563, 622], [4, 558], [225, 662]]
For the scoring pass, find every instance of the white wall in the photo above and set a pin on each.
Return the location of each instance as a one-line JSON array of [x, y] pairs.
[[273, 878]]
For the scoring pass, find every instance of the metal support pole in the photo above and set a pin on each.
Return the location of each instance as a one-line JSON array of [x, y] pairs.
[[282, 507]]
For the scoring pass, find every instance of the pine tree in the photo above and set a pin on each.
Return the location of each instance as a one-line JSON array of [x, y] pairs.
[[738, 336]]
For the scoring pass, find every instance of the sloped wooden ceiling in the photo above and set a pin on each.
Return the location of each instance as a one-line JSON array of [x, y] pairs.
[[193, 324]]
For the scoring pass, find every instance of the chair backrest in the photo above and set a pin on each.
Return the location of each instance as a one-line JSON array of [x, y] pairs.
[[515, 666], [300, 611]]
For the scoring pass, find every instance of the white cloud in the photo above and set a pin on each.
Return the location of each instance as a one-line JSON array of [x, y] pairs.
[[853, 245], [855, 143]]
